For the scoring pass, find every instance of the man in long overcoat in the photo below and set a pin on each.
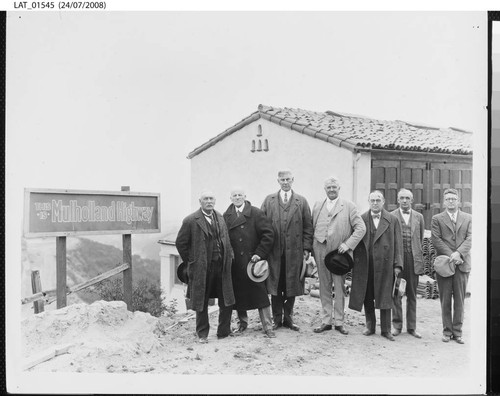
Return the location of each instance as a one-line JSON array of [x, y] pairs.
[[452, 237], [377, 261], [252, 237], [291, 218], [203, 243], [412, 233]]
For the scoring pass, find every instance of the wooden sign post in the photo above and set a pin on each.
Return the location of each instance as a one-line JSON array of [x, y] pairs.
[[127, 258], [62, 213]]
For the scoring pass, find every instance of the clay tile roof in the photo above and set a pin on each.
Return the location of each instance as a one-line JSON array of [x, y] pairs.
[[358, 133]]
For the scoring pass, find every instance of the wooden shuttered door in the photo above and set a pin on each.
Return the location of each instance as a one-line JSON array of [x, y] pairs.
[[426, 179]]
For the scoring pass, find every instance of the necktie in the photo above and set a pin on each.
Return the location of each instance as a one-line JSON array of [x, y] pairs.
[[406, 211], [237, 213], [376, 216], [286, 199], [209, 218]]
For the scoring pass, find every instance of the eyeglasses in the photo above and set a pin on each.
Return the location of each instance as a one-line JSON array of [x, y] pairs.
[[451, 199]]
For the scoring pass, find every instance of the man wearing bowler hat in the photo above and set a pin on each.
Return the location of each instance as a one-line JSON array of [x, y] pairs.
[[412, 232], [377, 261], [203, 243], [252, 237], [338, 228], [452, 237]]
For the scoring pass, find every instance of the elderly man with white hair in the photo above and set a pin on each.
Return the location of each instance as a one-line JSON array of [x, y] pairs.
[[337, 226]]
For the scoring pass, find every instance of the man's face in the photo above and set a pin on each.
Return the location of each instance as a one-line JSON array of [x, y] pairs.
[[286, 181], [376, 201], [332, 190], [207, 202], [451, 202], [238, 198], [405, 200]]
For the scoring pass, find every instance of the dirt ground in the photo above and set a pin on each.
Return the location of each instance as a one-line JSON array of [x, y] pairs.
[[105, 338]]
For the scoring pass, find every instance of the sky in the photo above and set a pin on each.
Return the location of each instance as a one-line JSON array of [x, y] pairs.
[[96, 101]]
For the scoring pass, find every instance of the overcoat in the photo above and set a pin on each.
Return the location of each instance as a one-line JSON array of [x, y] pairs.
[[448, 239], [417, 236], [387, 255], [250, 233], [194, 244], [298, 237]]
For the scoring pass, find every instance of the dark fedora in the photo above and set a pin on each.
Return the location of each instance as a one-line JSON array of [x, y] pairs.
[[338, 263], [182, 273]]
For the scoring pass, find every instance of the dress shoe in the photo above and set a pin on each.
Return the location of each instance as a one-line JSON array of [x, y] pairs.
[[322, 328], [446, 338], [368, 332], [291, 326], [202, 340], [270, 334], [458, 339], [241, 328], [388, 335], [341, 330], [276, 326], [414, 334], [396, 332]]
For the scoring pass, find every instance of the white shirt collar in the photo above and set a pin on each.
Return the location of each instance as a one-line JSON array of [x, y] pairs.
[[453, 215], [206, 214], [288, 194], [240, 209], [405, 214]]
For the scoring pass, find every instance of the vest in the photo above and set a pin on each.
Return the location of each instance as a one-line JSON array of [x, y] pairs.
[[322, 223], [406, 229], [283, 213], [215, 239]]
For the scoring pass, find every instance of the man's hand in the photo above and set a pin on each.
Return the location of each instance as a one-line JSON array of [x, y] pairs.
[[255, 258], [455, 258], [343, 248], [307, 254], [397, 271]]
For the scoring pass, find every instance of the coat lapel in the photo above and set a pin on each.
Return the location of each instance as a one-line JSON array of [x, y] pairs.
[[293, 208], [383, 224], [366, 219], [338, 208], [460, 220], [447, 221], [234, 219], [413, 222], [200, 219], [316, 211]]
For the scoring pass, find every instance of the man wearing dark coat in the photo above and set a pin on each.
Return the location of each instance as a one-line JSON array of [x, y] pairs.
[[412, 233], [292, 224], [252, 237], [203, 243], [377, 262], [452, 237]]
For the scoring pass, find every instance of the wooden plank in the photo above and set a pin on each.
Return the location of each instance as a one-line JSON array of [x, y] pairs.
[[36, 287], [127, 258], [61, 271], [94, 280], [43, 295], [45, 355]]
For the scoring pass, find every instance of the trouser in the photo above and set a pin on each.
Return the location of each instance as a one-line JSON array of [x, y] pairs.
[[369, 306], [408, 274], [214, 285], [452, 287], [326, 280], [282, 305], [264, 314]]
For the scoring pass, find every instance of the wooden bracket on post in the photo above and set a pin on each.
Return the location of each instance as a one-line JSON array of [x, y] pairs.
[[127, 258], [36, 286], [61, 271]]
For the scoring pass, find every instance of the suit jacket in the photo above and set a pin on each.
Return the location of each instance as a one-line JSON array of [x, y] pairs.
[[250, 233], [298, 237], [417, 236], [448, 239], [387, 255], [346, 225], [194, 244]]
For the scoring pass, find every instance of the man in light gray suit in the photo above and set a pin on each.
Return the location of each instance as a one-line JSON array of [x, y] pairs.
[[337, 225], [412, 231], [452, 237]]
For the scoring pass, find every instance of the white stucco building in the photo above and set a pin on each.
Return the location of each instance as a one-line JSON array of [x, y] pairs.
[[363, 153]]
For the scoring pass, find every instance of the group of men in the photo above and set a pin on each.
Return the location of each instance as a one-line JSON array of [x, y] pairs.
[[225, 259]]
